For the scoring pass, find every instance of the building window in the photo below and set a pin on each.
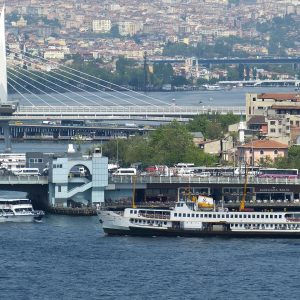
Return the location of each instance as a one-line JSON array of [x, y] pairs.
[[276, 151], [297, 123], [261, 152], [292, 123], [35, 160], [250, 151], [273, 130], [272, 122]]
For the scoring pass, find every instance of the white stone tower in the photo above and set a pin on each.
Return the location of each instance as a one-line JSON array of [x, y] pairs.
[[3, 74]]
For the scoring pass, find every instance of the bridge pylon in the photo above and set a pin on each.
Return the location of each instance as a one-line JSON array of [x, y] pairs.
[[7, 108]]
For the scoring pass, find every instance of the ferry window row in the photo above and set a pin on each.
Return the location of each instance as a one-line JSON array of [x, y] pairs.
[[148, 222], [228, 216], [264, 226]]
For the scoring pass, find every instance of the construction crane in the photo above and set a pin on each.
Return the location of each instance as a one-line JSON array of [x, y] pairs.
[[133, 191], [243, 200]]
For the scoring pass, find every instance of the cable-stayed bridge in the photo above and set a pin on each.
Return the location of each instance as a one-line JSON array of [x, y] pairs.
[[47, 89], [74, 94], [68, 93]]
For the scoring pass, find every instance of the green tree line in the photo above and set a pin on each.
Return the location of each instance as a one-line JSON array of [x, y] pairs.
[[167, 145], [171, 143]]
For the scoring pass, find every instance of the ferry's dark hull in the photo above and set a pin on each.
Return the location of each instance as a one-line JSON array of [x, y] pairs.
[[135, 231]]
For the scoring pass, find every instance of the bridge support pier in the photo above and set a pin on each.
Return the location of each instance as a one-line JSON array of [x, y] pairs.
[[7, 136], [67, 184]]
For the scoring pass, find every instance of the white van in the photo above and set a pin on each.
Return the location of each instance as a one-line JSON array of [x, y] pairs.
[[125, 172]]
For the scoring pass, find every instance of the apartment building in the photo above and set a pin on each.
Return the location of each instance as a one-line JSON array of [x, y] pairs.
[[276, 116], [258, 151], [129, 28], [102, 26]]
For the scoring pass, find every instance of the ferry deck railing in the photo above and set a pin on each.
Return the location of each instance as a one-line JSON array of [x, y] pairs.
[[203, 180]]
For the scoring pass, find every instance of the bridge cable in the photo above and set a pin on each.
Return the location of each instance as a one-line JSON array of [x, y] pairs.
[[80, 72], [11, 73], [111, 95], [55, 91], [95, 95], [30, 92], [35, 74], [15, 89]]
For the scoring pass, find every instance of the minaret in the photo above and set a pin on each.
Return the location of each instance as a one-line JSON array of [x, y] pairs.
[[241, 130], [3, 74]]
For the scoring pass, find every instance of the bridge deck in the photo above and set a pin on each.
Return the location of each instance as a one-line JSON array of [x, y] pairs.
[[162, 180], [114, 112]]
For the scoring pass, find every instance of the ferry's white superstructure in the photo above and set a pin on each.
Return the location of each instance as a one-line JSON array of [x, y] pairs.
[[18, 210], [190, 218], [12, 161]]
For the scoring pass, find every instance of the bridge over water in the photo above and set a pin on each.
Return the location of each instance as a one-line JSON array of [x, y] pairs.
[[231, 61], [154, 113]]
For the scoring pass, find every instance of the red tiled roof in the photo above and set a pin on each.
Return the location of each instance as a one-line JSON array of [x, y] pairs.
[[265, 144], [278, 97]]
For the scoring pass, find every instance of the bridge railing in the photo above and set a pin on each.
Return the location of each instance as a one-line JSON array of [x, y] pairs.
[[203, 180], [23, 179], [129, 109]]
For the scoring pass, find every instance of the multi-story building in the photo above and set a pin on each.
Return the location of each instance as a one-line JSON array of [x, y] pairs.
[[129, 28], [102, 26], [54, 54], [276, 116], [259, 104], [257, 152]]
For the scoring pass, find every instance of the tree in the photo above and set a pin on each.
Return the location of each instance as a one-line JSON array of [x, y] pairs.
[[114, 31], [168, 145], [292, 160], [212, 126]]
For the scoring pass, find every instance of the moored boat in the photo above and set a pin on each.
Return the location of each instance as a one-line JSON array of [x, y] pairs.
[[18, 210], [199, 218]]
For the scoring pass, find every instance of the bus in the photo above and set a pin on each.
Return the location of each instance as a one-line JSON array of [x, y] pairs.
[[72, 123], [26, 172], [184, 165], [125, 172], [278, 173]]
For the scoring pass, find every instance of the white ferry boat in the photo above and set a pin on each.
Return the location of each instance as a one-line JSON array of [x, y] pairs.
[[213, 87], [199, 218], [18, 210], [12, 161]]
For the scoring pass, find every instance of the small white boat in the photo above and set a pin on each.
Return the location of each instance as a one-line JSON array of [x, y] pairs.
[[213, 87], [18, 210]]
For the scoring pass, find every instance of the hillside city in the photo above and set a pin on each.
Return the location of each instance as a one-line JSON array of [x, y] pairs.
[[159, 29]]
